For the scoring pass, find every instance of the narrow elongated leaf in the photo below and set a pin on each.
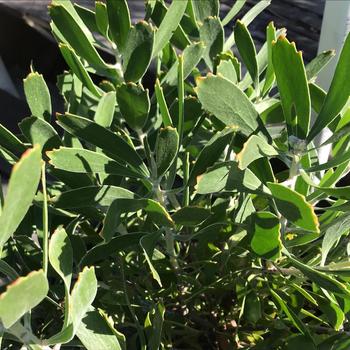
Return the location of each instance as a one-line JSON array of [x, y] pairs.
[[21, 296], [247, 19], [10, 142], [294, 207], [163, 108], [101, 18], [90, 196], [169, 23], [212, 35], [14, 210], [75, 34], [190, 216], [318, 63], [290, 313], [191, 57], [38, 131], [332, 163], [166, 149], [102, 251], [79, 160], [111, 221], [293, 86], [255, 148], [265, 238], [154, 325], [270, 73], [134, 104], [37, 96], [322, 279], [95, 333], [112, 143], [138, 51], [119, 22], [332, 234], [228, 103], [148, 243], [247, 51], [338, 93], [83, 294], [211, 152], [338, 192], [105, 109], [205, 8], [61, 255], [233, 11], [77, 68], [179, 38]]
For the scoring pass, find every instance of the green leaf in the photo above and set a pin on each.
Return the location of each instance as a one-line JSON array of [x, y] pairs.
[[119, 22], [255, 148], [211, 152], [318, 63], [294, 207], [79, 160], [111, 221], [138, 50], [270, 73], [166, 149], [134, 104], [154, 326], [90, 196], [169, 24], [101, 18], [117, 244], [163, 108], [86, 16], [95, 333], [38, 131], [77, 68], [83, 294], [290, 313], [332, 234], [191, 57], [233, 11], [338, 93], [228, 177], [10, 142], [293, 87], [321, 279], [247, 51], [265, 239], [205, 8], [38, 96], [21, 296], [105, 109], [228, 103], [76, 35], [148, 243], [332, 163], [227, 70], [113, 144], [338, 192], [104, 196], [211, 34], [247, 19], [14, 210], [61, 255], [252, 308], [190, 216]]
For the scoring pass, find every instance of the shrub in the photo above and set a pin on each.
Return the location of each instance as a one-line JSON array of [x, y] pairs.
[[193, 214]]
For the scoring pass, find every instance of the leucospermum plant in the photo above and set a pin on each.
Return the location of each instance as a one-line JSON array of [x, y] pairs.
[[178, 203]]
